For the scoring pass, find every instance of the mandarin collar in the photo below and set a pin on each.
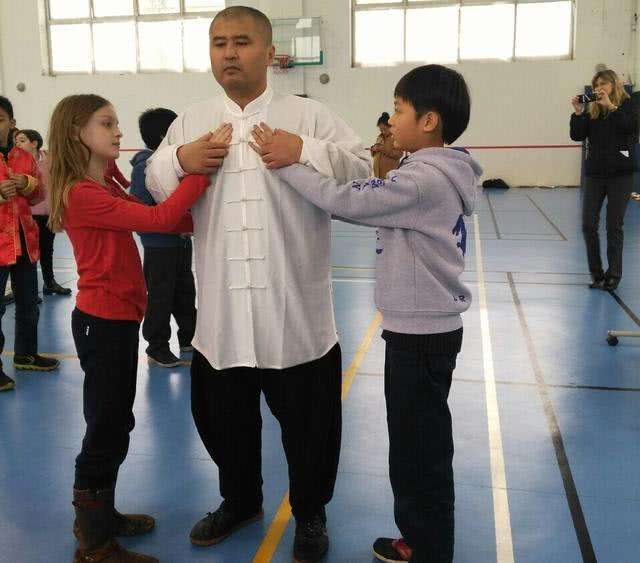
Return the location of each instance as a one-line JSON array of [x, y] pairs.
[[253, 107]]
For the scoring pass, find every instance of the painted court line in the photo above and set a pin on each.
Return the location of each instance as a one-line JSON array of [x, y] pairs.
[[283, 515], [502, 518]]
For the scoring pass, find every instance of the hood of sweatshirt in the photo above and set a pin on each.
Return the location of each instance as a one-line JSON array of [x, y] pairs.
[[458, 166]]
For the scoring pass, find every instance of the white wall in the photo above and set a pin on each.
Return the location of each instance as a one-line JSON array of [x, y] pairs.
[[513, 103]]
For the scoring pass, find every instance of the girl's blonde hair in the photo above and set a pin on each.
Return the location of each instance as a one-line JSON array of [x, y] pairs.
[[618, 94], [68, 155]]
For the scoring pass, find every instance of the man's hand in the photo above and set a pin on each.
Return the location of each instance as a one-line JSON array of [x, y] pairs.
[[277, 148], [206, 154], [8, 188]]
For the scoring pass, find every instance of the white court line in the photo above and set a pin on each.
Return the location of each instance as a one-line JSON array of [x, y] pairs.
[[502, 518]]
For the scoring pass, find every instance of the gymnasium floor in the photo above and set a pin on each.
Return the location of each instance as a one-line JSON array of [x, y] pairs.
[[546, 414]]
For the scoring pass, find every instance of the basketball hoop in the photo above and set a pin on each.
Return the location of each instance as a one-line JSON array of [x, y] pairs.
[[282, 64]]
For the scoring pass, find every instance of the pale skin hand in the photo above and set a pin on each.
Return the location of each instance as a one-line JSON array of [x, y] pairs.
[[276, 148], [604, 100], [206, 154], [577, 106]]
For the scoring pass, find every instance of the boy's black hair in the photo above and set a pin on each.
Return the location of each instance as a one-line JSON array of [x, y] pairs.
[[153, 125], [33, 135], [383, 119], [6, 105], [440, 89]]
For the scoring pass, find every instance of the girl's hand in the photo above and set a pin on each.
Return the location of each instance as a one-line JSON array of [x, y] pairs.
[[577, 106], [222, 134]]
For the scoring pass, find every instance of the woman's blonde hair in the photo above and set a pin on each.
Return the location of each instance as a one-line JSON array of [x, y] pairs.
[[618, 94], [68, 155]]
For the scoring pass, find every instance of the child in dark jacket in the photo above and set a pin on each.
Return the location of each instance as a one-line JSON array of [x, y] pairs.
[[419, 210], [167, 260]]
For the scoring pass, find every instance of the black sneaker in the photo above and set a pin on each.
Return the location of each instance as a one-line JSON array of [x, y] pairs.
[[311, 541], [6, 383], [164, 359], [55, 287], [597, 283], [611, 284], [216, 526], [35, 363], [391, 551]]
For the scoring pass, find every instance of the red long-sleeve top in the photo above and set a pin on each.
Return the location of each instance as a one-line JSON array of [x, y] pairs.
[[99, 221], [113, 173]]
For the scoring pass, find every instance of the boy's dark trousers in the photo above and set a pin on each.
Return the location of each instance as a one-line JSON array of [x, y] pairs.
[[617, 190], [108, 353], [417, 386], [46, 248], [305, 399], [24, 283], [171, 291]]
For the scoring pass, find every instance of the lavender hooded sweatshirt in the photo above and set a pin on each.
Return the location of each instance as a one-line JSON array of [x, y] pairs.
[[419, 210]]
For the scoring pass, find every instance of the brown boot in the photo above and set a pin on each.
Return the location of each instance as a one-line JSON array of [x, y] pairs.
[[95, 523], [124, 525], [111, 552]]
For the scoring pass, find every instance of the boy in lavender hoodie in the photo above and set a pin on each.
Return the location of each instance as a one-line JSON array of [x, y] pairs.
[[419, 209]]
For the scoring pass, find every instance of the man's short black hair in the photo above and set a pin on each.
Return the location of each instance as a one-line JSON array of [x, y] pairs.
[[153, 125], [245, 11], [32, 135], [6, 105], [440, 89]]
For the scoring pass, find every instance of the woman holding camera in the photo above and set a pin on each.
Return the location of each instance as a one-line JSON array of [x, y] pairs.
[[610, 127]]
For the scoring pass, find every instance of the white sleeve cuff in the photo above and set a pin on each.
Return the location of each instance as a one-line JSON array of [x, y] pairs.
[[304, 154], [180, 173]]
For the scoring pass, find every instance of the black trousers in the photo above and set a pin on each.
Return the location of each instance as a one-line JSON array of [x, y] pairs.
[[24, 284], [306, 401], [108, 352], [171, 291], [46, 248], [617, 191], [421, 450]]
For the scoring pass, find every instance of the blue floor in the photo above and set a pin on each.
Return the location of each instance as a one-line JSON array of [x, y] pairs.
[[569, 408]]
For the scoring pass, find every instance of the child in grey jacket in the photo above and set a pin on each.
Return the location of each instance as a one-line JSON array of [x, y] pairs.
[[419, 209]]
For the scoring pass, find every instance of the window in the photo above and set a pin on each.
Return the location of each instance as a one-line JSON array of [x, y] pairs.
[[88, 36], [388, 32]]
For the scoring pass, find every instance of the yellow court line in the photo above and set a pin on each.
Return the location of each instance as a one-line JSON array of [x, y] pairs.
[[283, 515], [502, 517]]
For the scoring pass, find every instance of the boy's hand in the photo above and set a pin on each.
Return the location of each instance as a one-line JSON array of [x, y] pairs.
[[8, 188], [205, 155], [277, 148]]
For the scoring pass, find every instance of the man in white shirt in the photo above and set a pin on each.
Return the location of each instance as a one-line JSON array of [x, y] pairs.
[[265, 309]]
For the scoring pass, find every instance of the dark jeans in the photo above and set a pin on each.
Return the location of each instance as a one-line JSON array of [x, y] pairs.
[[24, 283], [617, 191], [171, 291], [305, 399], [421, 450], [46, 248], [108, 352]]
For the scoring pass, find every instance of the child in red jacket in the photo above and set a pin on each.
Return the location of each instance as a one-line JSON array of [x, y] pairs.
[[99, 218], [19, 252]]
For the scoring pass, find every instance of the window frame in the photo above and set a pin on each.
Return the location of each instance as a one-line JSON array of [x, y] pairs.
[[406, 5], [46, 22]]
